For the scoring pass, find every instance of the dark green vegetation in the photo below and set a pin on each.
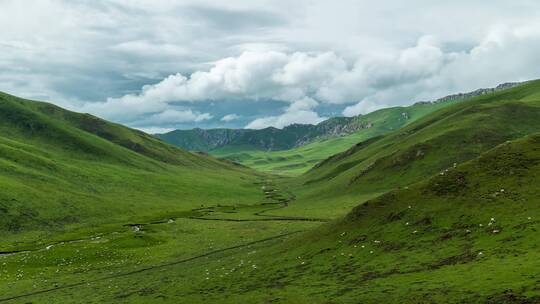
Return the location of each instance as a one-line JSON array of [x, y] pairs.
[[444, 209]]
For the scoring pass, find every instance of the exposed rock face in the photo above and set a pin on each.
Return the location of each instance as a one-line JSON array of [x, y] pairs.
[[474, 93], [270, 138]]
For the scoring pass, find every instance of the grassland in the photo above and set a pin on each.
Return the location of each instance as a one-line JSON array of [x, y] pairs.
[[444, 209], [57, 176]]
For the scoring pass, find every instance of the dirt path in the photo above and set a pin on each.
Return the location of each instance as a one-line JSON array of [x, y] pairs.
[[272, 194]]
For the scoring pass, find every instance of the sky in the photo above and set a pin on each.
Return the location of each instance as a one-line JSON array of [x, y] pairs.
[[159, 65]]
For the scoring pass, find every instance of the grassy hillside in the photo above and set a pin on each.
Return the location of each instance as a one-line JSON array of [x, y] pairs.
[[60, 169], [424, 148], [467, 236], [299, 160], [442, 210]]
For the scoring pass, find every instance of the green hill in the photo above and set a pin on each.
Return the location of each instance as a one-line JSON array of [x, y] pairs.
[[443, 209], [60, 168], [468, 236], [426, 147]]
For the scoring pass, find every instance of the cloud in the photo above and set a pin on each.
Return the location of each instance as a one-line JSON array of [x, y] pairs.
[[170, 118], [300, 112], [363, 107], [156, 130], [305, 79], [230, 117], [251, 76], [141, 62]]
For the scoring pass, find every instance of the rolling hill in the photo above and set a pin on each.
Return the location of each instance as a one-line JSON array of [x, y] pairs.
[[430, 145], [60, 168], [468, 236], [441, 210]]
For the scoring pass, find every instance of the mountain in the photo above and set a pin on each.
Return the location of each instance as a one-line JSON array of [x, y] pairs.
[[295, 149], [268, 139]]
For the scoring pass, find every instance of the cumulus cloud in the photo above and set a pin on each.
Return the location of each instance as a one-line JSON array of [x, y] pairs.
[[157, 64], [251, 76], [305, 79], [174, 116], [363, 107], [230, 117], [300, 111]]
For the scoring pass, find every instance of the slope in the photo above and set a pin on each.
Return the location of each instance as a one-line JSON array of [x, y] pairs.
[[426, 147], [298, 160], [468, 236], [60, 170]]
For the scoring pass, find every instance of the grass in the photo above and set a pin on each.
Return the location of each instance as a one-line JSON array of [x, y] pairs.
[[57, 176], [297, 161], [454, 238], [99, 213]]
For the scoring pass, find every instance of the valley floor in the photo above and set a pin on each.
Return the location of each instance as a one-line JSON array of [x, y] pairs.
[[55, 270], [243, 253]]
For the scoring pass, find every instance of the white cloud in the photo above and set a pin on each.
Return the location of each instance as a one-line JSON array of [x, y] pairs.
[[423, 71], [250, 76], [172, 117], [300, 111], [230, 117], [96, 56], [363, 107], [155, 130]]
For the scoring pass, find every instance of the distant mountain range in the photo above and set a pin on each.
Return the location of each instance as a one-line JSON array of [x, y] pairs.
[[295, 135], [270, 139]]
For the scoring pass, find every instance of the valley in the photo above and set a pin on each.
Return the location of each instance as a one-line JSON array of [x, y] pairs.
[[442, 206]]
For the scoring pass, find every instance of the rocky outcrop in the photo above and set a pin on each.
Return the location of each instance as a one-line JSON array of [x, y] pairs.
[[269, 139], [461, 96]]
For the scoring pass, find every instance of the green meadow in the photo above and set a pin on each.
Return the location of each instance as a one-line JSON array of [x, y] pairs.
[[443, 207]]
